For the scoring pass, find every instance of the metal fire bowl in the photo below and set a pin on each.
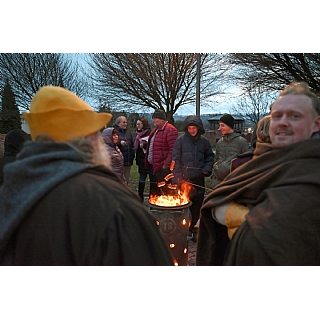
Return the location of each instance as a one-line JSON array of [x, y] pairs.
[[170, 208]]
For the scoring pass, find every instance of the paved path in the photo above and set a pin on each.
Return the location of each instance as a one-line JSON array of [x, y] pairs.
[[192, 249]]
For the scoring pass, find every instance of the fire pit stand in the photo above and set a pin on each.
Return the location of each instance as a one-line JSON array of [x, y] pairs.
[[174, 226]]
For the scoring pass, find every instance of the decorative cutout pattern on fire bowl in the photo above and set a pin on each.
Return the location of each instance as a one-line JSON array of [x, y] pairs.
[[174, 225]]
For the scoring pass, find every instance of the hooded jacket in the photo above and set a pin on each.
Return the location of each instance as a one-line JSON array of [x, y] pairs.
[[59, 210], [193, 156], [115, 153]]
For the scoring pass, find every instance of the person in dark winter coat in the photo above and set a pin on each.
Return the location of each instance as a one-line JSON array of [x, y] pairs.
[[193, 158], [140, 145], [159, 151], [13, 144], [228, 147], [61, 202], [125, 144], [110, 138]]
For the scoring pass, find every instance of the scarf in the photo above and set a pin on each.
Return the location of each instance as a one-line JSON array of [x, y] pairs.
[[39, 167], [139, 134]]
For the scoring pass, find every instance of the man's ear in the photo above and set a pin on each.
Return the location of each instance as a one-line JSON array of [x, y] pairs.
[[316, 124]]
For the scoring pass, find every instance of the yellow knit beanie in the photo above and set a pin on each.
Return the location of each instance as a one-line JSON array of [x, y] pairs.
[[61, 114]]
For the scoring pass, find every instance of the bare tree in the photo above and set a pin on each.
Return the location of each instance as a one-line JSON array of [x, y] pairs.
[[28, 72], [274, 71], [254, 105], [155, 80], [9, 113]]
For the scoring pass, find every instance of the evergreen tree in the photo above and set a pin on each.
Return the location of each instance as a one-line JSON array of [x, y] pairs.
[[10, 115]]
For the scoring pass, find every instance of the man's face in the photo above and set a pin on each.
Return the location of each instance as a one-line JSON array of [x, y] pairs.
[[225, 129], [123, 123], [158, 123], [193, 130], [293, 119]]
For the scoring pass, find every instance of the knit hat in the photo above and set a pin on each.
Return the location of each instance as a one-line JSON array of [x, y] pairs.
[[228, 120], [62, 115], [160, 114]]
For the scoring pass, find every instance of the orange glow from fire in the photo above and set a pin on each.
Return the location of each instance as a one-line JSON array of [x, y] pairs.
[[180, 199]]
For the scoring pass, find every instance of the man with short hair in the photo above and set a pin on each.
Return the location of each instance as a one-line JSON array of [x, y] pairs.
[[61, 203], [281, 189], [228, 147]]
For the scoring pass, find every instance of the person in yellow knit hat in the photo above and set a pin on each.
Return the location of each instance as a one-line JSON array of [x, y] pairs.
[[61, 204]]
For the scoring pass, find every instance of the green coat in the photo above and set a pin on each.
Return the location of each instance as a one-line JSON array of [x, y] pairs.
[[227, 148]]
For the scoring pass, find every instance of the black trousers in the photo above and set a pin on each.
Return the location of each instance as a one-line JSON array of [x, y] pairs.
[[196, 197]]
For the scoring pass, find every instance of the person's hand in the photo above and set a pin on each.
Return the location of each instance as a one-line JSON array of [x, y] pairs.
[[234, 217], [123, 143]]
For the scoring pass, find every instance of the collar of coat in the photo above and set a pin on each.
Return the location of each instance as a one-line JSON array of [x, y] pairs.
[[231, 136]]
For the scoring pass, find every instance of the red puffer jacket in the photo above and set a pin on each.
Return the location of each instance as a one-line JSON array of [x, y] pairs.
[[162, 146]]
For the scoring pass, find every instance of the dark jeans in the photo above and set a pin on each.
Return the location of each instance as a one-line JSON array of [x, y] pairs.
[[143, 173], [196, 197]]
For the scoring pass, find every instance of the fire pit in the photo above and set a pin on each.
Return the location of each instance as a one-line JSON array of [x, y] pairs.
[[174, 222]]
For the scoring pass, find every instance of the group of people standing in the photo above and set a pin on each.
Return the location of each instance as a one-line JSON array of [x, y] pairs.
[[155, 149], [262, 210]]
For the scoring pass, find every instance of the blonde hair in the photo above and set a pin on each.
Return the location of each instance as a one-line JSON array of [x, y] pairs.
[[302, 88], [262, 131]]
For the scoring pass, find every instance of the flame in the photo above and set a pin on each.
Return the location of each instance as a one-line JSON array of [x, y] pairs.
[[180, 199]]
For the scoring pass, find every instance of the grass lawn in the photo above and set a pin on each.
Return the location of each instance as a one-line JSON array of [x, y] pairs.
[[134, 179]]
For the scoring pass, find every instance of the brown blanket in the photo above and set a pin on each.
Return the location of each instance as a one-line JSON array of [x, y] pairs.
[[282, 189]]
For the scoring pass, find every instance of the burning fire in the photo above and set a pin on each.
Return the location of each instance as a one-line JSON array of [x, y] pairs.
[[180, 199]]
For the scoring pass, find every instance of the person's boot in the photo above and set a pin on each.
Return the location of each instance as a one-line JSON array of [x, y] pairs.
[[141, 190]]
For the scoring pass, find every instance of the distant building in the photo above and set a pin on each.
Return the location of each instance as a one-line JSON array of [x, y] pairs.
[[239, 123]]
